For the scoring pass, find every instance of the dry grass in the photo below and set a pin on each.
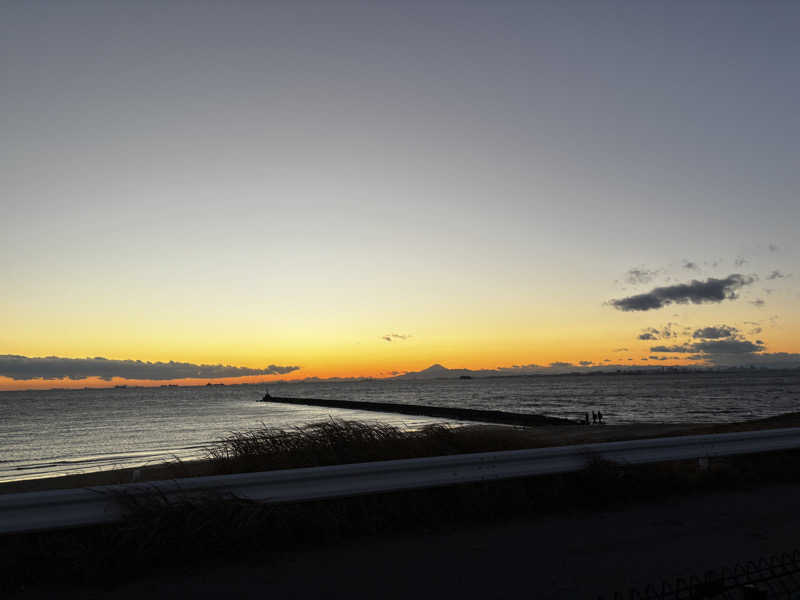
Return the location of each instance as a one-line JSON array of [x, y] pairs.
[[335, 442]]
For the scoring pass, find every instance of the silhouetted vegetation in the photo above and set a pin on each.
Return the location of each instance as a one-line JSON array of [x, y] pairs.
[[336, 442]]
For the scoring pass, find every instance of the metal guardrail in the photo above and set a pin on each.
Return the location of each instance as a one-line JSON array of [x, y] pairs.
[[34, 511]]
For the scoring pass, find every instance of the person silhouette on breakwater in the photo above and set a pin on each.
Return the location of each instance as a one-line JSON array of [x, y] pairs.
[[586, 421], [266, 396], [594, 417], [599, 417]]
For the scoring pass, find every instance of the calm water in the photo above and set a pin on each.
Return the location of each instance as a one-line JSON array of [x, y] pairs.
[[53, 432]]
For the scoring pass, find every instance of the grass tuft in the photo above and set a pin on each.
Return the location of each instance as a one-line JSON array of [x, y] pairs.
[[336, 441]]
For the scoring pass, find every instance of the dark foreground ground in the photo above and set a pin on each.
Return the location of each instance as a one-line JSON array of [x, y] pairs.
[[572, 555]]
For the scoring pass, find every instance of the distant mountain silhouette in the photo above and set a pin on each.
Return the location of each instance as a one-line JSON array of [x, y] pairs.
[[438, 371]]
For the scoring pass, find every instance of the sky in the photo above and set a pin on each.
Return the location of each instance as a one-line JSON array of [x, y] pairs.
[[267, 190]]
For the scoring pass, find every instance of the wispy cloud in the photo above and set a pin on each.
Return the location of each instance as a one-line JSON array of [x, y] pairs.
[[389, 337], [54, 367], [696, 292], [776, 275], [690, 265], [666, 332], [639, 275]]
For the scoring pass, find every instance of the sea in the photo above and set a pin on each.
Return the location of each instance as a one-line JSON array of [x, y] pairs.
[[59, 432]]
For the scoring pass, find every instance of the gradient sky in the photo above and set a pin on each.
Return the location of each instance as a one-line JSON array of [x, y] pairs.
[[265, 183]]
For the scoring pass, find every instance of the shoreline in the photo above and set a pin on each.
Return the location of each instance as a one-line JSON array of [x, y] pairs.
[[527, 437]]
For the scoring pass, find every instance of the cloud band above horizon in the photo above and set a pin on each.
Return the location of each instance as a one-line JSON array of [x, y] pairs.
[[54, 367]]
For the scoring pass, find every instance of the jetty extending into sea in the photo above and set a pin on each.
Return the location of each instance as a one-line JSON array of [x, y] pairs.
[[442, 412]]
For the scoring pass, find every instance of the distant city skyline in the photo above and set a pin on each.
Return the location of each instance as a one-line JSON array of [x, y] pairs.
[[254, 191]]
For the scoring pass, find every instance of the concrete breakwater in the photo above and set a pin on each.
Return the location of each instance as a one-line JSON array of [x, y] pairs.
[[462, 414]]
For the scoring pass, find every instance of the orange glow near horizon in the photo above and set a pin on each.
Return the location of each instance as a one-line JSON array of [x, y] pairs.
[[8, 384], [376, 371]]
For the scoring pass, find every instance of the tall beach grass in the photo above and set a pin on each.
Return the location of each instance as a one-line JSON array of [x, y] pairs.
[[336, 441]]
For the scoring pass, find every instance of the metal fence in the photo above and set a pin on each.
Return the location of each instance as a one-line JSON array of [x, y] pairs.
[[772, 578]]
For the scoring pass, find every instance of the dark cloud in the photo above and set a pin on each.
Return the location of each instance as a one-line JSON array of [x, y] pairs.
[[640, 275], [395, 336], [648, 336], [54, 367], [758, 302], [620, 349], [715, 333], [692, 266], [585, 363], [559, 364], [739, 261], [727, 347], [776, 275], [696, 292], [773, 247], [710, 347], [680, 348]]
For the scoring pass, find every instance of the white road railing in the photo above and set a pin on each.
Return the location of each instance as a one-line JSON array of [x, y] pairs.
[[35, 511]]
